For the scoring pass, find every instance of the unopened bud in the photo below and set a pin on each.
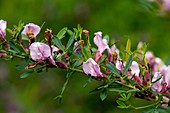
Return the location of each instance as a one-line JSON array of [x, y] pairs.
[[3, 54]]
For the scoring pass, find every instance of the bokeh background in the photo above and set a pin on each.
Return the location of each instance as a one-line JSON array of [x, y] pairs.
[[119, 19]]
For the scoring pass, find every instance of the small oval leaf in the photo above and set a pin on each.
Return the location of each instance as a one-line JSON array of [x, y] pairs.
[[26, 74], [112, 68], [70, 41], [58, 43], [61, 33]]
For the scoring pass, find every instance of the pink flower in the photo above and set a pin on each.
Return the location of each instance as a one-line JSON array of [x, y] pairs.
[[101, 44], [31, 27], [92, 68], [3, 25], [40, 51]]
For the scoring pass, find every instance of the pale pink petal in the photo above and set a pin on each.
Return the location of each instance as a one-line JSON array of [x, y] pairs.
[[119, 65], [102, 44], [135, 68], [149, 55]]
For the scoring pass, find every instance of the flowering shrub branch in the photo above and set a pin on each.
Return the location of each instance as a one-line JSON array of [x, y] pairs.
[[129, 73]]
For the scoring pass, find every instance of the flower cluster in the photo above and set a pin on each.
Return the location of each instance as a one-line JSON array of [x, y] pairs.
[[133, 73]]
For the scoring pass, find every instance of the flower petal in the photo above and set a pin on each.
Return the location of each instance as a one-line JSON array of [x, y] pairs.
[[102, 44], [135, 68]]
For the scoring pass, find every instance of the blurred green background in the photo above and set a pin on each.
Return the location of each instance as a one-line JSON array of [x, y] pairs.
[[119, 19]]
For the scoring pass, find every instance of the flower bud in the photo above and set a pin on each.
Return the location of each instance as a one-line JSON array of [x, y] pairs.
[[3, 54]]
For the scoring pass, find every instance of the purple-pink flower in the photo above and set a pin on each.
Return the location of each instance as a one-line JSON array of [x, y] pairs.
[[90, 67], [155, 63], [40, 51], [102, 45], [3, 25], [163, 78], [31, 27], [157, 86], [77, 45], [111, 51]]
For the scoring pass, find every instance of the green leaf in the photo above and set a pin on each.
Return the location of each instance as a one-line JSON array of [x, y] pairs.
[[42, 25], [128, 48], [70, 41], [18, 33], [88, 81], [96, 90], [128, 96], [145, 48], [112, 68], [116, 90], [24, 38], [58, 43], [61, 33], [133, 90], [19, 67], [124, 107], [103, 94], [79, 27], [26, 74], [9, 31], [128, 64], [106, 37], [10, 50], [85, 53], [64, 86], [120, 103], [14, 47], [70, 32], [40, 69], [123, 95]]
